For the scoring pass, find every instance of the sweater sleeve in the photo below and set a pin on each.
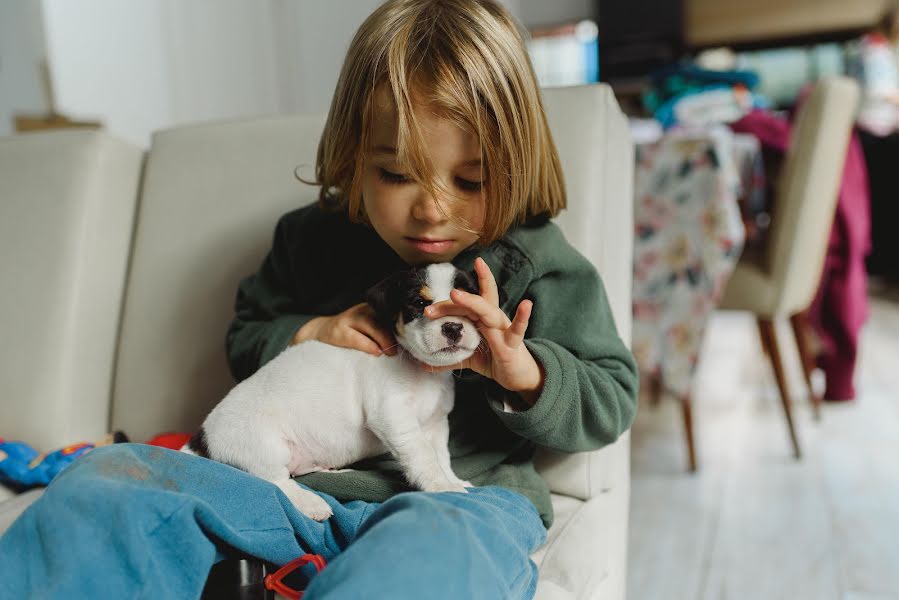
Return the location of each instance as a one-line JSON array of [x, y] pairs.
[[589, 396], [267, 312]]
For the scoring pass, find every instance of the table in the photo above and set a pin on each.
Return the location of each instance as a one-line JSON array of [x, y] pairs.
[[688, 236]]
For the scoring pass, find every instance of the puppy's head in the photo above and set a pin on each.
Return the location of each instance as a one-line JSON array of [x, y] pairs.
[[399, 303]]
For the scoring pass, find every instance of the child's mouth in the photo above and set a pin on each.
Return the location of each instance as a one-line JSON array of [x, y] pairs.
[[430, 246]]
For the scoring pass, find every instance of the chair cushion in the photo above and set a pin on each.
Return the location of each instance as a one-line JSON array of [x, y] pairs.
[[750, 288], [572, 562]]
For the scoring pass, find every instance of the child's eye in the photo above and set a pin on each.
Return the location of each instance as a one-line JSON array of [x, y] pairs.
[[469, 186], [391, 177]]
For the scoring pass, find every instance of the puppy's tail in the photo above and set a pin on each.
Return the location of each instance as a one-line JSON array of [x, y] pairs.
[[197, 444]]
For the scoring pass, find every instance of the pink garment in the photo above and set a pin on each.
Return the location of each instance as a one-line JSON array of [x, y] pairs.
[[840, 307]]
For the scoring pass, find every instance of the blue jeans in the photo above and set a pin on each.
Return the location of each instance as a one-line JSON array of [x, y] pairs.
[[136, 521]]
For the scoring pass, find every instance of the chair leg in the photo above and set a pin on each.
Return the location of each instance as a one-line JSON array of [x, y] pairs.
[[686, 406], [764, 344], [655, 390], [769, 338], [799, 321]]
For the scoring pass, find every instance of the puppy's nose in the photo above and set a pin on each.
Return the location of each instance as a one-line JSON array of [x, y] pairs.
[[452, 331]]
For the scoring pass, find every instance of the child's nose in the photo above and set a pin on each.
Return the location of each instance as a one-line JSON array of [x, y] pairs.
[[429, 209]]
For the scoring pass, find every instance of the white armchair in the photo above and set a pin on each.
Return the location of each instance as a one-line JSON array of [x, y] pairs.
[[206, 207]]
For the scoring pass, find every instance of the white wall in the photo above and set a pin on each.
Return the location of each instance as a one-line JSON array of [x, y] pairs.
[[21, 53], [109, 62], [143, 65], [223, 59], [313, 36], [554, 12]]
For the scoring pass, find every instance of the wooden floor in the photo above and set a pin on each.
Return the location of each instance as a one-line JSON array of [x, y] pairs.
[[754, 523]]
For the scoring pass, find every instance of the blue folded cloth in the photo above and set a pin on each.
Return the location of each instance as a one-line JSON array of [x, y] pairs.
[[134, 521]]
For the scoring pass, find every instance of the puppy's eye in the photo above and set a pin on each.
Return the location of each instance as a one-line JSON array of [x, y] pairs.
[[420, 303]]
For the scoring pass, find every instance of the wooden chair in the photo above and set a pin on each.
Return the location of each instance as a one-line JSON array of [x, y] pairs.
[[782, 280]]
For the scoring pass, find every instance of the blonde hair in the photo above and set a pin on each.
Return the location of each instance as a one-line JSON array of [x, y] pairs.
[[467, 59]]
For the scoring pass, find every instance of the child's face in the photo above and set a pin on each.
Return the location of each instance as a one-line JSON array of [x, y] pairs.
[[401, 210]]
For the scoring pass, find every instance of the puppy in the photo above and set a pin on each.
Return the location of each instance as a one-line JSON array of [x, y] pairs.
[[317, 407]]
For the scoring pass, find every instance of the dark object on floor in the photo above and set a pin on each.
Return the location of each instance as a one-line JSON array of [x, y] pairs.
[[238, 579], [882, 157], [840, 307], [248, 578]]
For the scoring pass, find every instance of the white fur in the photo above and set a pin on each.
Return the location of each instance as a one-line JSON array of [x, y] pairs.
[[318, 407], [440, 279]]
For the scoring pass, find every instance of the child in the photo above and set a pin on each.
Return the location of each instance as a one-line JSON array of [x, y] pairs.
[[436, 149]]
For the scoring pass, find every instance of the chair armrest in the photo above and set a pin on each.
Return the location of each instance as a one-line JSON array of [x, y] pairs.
[[596, 151]]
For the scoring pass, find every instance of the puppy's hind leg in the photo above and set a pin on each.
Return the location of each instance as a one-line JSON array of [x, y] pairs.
[[275, 470], [308, 503]]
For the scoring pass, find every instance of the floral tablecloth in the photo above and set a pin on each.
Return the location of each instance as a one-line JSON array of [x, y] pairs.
[[689, 234]]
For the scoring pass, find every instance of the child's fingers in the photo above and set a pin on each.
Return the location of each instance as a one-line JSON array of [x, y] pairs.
[[520, 322], [360, 341], [488, 314], [384, 341], [447, 308], [486, 282]]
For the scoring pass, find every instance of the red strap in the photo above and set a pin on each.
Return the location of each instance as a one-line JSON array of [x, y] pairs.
[[274, 581]]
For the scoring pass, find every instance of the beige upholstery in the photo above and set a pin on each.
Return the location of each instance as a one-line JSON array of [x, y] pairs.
[[210, 197], [784, 280], [67, 203]]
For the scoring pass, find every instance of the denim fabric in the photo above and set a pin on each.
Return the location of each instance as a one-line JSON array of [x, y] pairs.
[[136, 521]]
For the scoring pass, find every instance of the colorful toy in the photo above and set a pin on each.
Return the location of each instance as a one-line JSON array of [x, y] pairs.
[[172, 441], [22, 467]]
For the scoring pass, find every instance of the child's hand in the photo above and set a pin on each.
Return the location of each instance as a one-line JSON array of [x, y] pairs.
[[507, 360], [353, 328]]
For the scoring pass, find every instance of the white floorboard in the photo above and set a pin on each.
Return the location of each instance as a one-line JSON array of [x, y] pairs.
[[754, 523]]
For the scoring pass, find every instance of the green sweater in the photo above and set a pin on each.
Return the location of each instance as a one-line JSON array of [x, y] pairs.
[[321, 264]]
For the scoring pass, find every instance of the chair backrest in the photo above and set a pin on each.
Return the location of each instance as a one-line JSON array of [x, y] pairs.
[[807, 191], [211, 196], [67, 205]]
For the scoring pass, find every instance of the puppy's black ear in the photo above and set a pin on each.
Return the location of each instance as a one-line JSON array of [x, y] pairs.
[[384, 299], [466, 281]]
